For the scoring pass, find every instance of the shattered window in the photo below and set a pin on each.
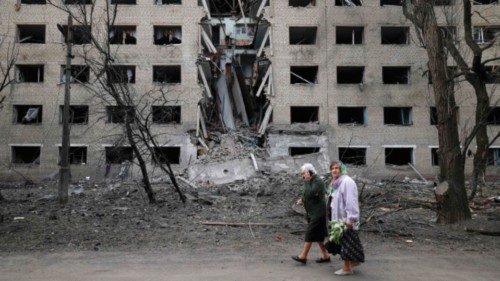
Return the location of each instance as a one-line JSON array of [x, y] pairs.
[[303, 74], [493, 157], [397, 35], [167, 154], [485, 34], [34, 2], [123, 34], [484, 2], [170, 74], [168, 2], [349, 3], [167, 35], [29, 73], [352, 35], [28, 114], [304, 114], [123, 2], [34, 34], [79, 74], [352, 115], [166, 114], [82, 34], [303, 35], [301, 3], [353, 155], [78, 114], [396, 74], [433, 116], [434, 156], [492, 74], [118, 154], [398, 156], [398, 116], [350, 74], [391, 2], [493, 116], [116, 114], [121, 74], [77, 2], [26, 154], [294, 151], [77, 155]]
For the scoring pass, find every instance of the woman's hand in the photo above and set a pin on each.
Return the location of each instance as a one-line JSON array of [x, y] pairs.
[[348, 223]]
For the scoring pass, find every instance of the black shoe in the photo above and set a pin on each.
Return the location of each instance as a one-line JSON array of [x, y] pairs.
[[296, 258], [322, 260]]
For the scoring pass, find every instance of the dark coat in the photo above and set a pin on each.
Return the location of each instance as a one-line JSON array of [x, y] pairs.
[[313, 197]]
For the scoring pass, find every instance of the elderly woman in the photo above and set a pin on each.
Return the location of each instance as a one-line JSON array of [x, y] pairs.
[[313, 199], [345, 207]]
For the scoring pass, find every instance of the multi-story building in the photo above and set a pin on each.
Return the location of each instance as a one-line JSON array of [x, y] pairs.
[[356, 68]]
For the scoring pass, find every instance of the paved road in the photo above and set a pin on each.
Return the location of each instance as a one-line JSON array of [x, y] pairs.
[[124, 266]]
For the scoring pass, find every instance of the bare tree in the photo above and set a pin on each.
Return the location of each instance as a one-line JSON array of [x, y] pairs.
[[451, 197], [112, 87], [477, 75]]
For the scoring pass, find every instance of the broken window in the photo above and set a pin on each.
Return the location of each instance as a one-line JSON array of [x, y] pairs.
[[352, 35], [391, 2], [396, 74], [484, 2], [34, 34], [82, 34], [167, 154], [28, 114], [27, 73], [77, 2], [122, 34], [166, 114], [167, 35], [123, 2], [449, 32], [121, 74], [303, 74], [301, 3], [350, 74], [433, 115], [116, 114], [434, 156], [398, 156], [492, 74], [167, 74], [169, 2], [493, 157], [485, 34], [352, 115], [349, 3], [79, 74], [494, 116], [77, 154], [397, 35], [34, 2], [78, 114], [303, 35], [26, 154], [353, 155], [398, 116], [118, 154], [293, 151], [304, 114]]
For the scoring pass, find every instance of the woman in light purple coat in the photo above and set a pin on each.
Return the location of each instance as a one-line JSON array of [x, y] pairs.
[[343, 201]]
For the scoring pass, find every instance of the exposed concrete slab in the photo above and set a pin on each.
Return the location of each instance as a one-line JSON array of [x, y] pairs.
[[279, 143]]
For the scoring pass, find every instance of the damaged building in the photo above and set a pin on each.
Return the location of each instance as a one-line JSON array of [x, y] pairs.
[[308, 80]]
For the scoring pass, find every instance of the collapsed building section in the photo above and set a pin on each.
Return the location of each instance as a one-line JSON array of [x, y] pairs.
[[234, 69]]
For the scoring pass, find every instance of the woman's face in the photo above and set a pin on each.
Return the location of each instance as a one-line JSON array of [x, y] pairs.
[[305, 175], [335, 171]]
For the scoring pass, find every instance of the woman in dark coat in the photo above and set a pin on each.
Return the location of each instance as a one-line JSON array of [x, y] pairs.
[[313, 199]]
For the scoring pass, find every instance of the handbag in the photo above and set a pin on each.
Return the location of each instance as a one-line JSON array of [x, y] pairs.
[[332, 247]]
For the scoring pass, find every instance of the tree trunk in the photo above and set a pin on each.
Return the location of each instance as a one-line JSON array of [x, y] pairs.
[[454, 205]]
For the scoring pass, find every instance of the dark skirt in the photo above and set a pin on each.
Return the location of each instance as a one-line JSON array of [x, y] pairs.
[[351, 248], [316, 230]]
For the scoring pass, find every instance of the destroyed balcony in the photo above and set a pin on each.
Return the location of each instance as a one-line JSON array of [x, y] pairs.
[[121, 74], [395, 35], [401, 116], [34, 2], [396, 74], [79, 74], [166, 154], [304, 75], [167, 35], [301, 3], [398, 156], [28, 114], [78, 114], [31, 34], [122, 35], [351, 115], [355, 156], [77, 155], [351, 35], [118, 154], [166, 114], [167, 74], [26, 154], [349, 3], [302, 35], [29, 73], [493, 157]]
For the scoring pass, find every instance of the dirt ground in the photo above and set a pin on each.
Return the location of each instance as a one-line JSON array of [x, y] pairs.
[[108, 230]]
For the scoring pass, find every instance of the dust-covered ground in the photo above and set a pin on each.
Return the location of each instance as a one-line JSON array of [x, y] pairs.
[[115, 216]]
